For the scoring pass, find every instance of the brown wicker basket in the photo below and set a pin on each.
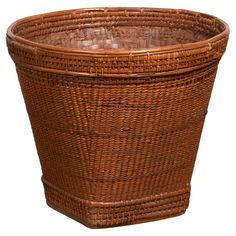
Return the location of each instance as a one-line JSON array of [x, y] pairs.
[[117, 99]]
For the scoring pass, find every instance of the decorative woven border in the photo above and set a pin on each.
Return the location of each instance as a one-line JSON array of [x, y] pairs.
[[107, 214], [151, 62]]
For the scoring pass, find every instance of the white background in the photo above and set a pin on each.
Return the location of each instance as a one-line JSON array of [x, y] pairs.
[[212, 209]]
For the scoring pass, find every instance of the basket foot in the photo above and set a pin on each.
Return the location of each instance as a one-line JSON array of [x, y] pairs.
[[102, 215]]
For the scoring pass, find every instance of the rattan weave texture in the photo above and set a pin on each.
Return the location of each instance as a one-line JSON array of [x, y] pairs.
[[117, 99]]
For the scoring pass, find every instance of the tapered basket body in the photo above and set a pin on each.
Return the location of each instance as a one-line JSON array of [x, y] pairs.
[[117, 99]]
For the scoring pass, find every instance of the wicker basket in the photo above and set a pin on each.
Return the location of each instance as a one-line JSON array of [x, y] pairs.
[[117, 99]]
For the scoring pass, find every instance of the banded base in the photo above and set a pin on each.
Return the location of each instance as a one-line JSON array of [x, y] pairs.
[[110, 214]]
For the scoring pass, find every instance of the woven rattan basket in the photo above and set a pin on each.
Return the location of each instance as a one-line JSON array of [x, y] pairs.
[[117, 99]]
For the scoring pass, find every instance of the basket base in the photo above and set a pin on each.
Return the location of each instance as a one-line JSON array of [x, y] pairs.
[[94, 226], [103, 215]]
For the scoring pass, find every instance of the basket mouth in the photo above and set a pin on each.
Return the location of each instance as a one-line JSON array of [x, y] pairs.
[[118, 30]]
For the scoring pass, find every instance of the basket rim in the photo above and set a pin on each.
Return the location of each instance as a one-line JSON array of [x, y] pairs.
[[112, 52]]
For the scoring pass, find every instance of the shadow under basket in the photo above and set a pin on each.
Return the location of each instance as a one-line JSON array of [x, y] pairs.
[[117, 99]]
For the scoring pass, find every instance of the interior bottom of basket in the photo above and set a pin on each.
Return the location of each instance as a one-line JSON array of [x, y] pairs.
[[122, 37]]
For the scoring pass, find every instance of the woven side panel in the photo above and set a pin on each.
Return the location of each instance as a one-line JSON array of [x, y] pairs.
[[117, 142]]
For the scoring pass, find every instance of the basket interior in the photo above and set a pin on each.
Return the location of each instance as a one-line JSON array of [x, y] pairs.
[[119, 29]]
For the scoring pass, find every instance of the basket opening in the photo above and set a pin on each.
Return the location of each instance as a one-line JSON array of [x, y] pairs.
[[119, 30]]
